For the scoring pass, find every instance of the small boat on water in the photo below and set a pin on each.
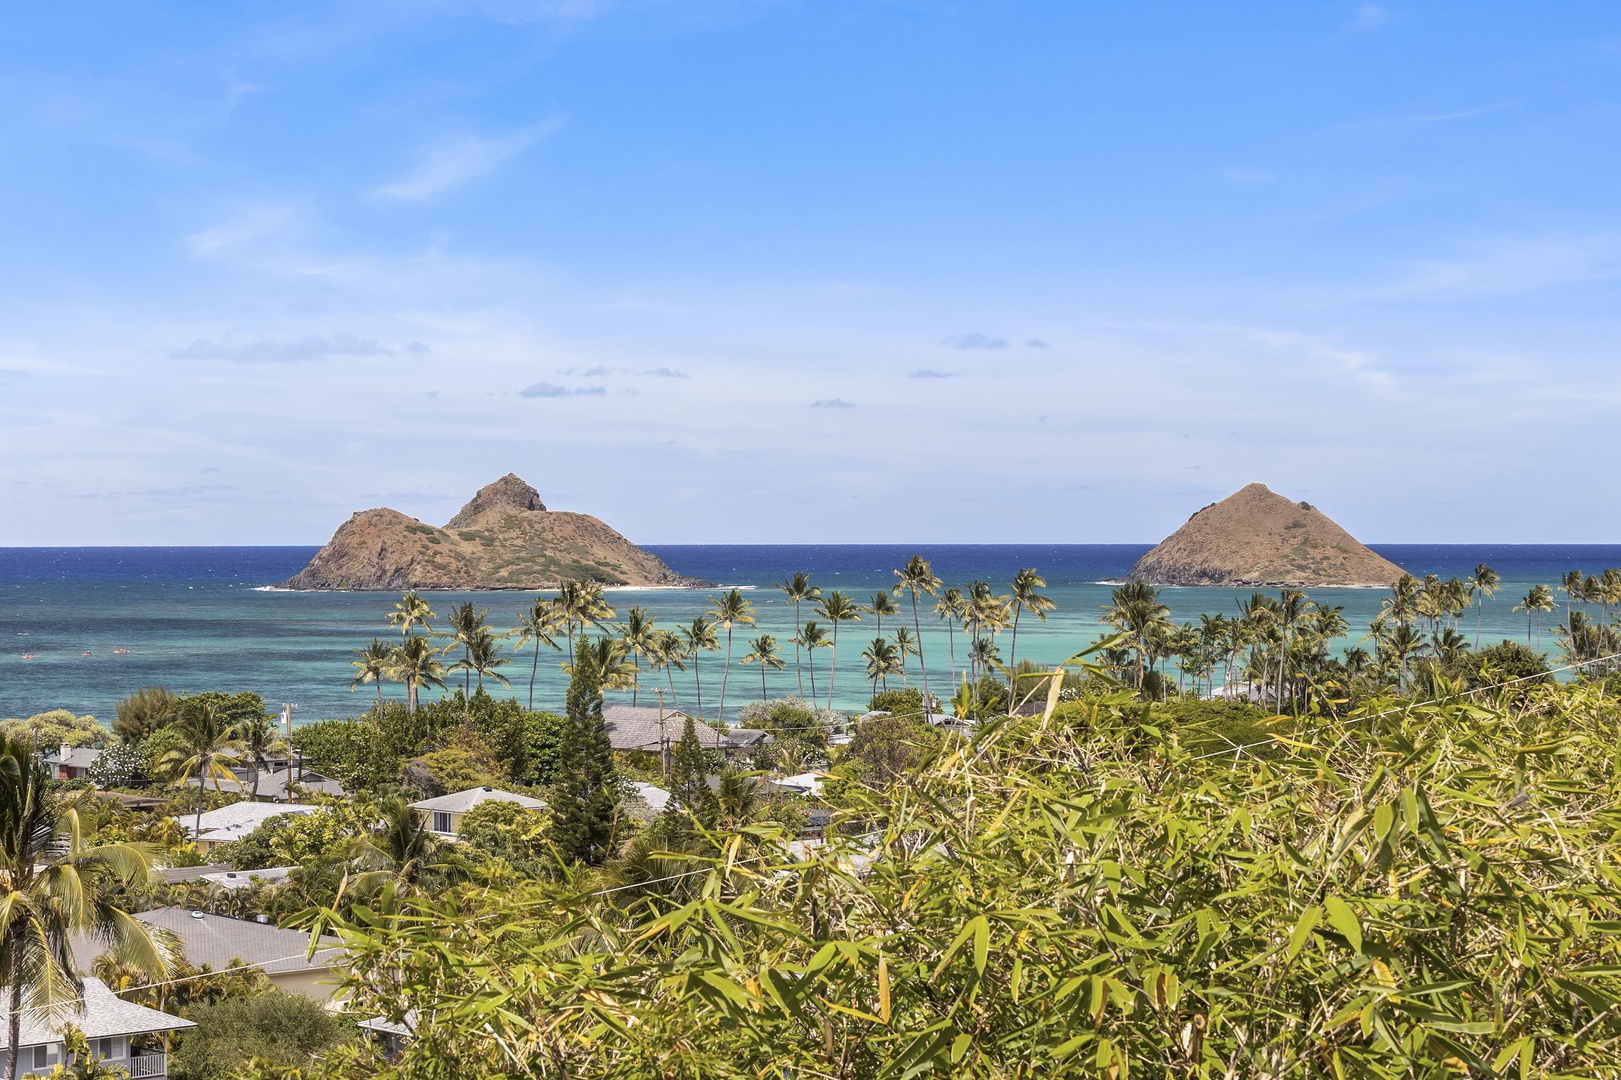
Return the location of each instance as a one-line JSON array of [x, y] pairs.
[[120, 652], [85, 653], [28, 656]]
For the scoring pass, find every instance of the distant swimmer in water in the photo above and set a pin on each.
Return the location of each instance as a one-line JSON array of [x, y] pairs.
[[85, 653]]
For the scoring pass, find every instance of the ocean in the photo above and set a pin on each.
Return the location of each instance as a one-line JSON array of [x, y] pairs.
[[97, 623]]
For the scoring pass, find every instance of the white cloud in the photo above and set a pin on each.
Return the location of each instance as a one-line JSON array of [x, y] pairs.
[[975, 341], [457, 159], [261, 350], [552, 390], [1370, 17], [832, 403]]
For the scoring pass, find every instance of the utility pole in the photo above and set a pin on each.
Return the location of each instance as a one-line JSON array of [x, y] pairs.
[[664, 745]]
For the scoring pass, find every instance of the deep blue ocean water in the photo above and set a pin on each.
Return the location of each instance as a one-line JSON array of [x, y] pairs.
[[199, 619]]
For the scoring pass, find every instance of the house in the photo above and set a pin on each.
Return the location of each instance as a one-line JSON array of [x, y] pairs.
[[72, 762], [390, 1037], [654, 796], [443, 815], [649, 728], [222, 942], [119, 1031], [743, 738], [276, 784], [235, 821], [179, 875]]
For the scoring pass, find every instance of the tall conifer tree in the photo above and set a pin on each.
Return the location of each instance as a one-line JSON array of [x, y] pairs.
[[691, 796], [583, 793]]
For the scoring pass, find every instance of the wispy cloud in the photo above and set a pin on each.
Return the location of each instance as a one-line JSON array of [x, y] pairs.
[[930, 373], [249, 224], [601, 370], [457, 159], [832, 403], [1369, 17], [552, 390], [974, 341], [1036, 343], [271, 350], [1505, 265]]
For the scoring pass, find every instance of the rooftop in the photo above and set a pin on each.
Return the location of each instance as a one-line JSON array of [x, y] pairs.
[[460, 802], [642, 727], [274, 784], [216, 940], [102, 1014], [79, 757], [242, 879], [237, 820]]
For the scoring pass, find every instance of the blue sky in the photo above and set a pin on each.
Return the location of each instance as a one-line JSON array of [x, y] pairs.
[[737, 270]]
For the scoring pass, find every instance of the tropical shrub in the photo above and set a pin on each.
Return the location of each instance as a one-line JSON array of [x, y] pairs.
[[1426, 892], [49, 730], [273, 1026]]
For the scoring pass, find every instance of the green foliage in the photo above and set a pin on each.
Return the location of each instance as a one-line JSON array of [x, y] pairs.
[[1206, 727], [49, 730], [280, 1028], [908, 702], [157, 746], [888, 745], [1507, 661], [296, 839], [440, 772], [232, 709], [1428, 893], [143, 712], [690, 794], [504, 830], [83, 1065], [118, 765], [584, 786]]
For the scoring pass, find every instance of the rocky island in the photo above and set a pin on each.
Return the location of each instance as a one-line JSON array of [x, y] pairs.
[[504, 538], [1257, 538]]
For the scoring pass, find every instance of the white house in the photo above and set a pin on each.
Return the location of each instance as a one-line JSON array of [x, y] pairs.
[[443, 816], [235, 821], [109, 1022]]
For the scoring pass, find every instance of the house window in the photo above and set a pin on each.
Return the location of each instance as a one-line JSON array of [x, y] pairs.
[[441, 821], [41, 1057], [107, 1048]]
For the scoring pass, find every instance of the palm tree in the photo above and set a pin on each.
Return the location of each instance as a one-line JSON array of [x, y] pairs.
[[1538, 599], [260, 737], [482, 660], [799, 589], [638, 634], [917, 578], [667, 651], [953, 608], [372, 665], [882, 660], [1483, 585], [465, 626], [208, 745], [538, 624], [986, 610], [1134, 609], [729, 610], [837, 608], [907, 645], [610, 659], [415, 663], [811, 638], [402, 851], [579, 603], [1571, 583], [882, 604], [700, 639], [53, 888], [1026, 598], [410, 612], [763, 651]]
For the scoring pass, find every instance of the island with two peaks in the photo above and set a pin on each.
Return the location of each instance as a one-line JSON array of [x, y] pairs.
[[1256, 538], [504, 538]]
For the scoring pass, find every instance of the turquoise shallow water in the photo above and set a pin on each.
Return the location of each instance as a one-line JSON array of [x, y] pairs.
[[199, 618]]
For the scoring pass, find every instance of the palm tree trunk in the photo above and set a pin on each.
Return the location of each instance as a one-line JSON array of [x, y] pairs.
[[923, 669], [14, 1021], [725, 674], [798, 673], [534, 669], [951, 642], [833, 665], [1013, 656], [762, 683], [810, 662]]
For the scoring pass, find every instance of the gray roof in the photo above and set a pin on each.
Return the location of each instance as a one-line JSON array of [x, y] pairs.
[[637, 727], [100, 1015], [242, 879], [216, 940], [746, 737], [178, 875], [273, 784], [460, 802], [79, 757], [237, 820]]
